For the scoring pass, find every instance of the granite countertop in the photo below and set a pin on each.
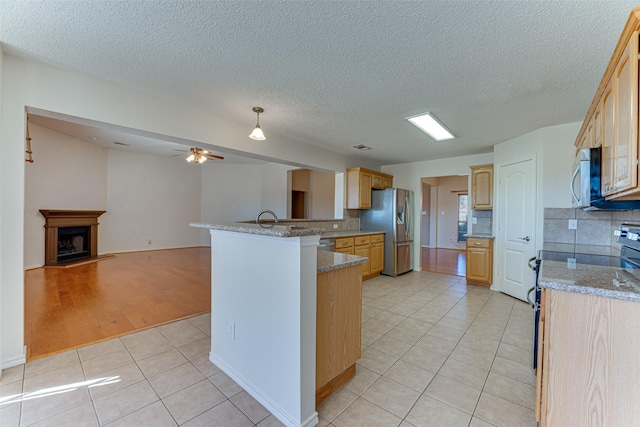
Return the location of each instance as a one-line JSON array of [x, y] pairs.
[[597, 280], [329, 261], [269, 229], [347, 233], [480, 235]]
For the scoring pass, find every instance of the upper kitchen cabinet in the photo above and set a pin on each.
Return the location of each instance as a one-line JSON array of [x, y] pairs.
[[608, 133], [625, 176], [612, 119], [482, 187], [360, 182]]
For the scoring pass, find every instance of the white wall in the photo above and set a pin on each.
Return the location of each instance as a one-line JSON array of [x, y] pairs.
[[149, 198], [2, 289], [12, 164], [222, 184], [409, 175], [274, 189], [30, 84], [559, 152]]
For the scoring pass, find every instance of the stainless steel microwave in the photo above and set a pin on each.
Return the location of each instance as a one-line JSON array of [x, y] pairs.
[[585, 184]]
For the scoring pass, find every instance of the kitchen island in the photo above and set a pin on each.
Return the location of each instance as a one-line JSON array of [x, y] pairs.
[[264, 309], [588, 345]]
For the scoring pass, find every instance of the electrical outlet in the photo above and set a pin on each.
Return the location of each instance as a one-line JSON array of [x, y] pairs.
[[149, 243], [335, 225], [231, 329], [474, 220], [573, 224]]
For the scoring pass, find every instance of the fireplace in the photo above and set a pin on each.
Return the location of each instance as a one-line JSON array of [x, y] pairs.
[[72, 243], [70, 236]]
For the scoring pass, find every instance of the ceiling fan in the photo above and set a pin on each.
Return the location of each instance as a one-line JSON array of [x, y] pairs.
[[200, 155]]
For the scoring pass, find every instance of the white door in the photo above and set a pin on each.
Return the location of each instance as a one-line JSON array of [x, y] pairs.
[[516, 228]]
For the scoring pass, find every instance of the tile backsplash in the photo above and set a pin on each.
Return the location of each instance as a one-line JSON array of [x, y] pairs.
[[484, 224], [593, 234]]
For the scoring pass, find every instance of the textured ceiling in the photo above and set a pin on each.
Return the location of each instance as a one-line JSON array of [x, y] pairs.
[[340, 73]]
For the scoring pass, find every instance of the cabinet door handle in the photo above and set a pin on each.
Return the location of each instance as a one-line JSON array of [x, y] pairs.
[[478, 243]]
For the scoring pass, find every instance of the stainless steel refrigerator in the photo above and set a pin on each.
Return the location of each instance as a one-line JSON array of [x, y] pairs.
[[392, 212]]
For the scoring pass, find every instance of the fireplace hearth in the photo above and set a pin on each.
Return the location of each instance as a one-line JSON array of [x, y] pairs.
[[71, 236]]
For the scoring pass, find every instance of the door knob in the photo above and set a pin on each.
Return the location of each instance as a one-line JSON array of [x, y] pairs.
[[526, 238]]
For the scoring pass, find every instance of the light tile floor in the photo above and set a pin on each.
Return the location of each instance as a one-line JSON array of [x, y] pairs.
[[436, 352]]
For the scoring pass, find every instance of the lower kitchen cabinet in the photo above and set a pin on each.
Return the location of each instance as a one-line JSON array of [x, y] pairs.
[[376, 254], [361, 248], [588, 372], [369, 246], [344, 245], [338, 328], [480, 260]]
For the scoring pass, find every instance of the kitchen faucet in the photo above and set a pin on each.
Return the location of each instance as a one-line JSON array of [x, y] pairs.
[[275, 217]]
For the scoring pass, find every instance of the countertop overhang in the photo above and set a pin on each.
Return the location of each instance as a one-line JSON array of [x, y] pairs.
[[268, 229], [480, 235], [329, 261], [597, 280]]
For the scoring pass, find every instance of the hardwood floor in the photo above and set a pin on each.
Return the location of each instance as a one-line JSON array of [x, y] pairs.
[[446, 261], [71, 307]]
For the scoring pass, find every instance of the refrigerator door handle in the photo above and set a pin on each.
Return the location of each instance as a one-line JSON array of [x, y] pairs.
[[407, 243], [407, 209]]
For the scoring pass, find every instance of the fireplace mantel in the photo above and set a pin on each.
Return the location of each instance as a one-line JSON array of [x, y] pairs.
[[56, 218]]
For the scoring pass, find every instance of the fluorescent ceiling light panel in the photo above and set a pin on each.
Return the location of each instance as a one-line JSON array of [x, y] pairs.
[[428, 123]]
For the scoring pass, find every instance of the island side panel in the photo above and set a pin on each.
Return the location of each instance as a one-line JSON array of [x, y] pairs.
[[590, 372], [339, 323], [266, 287]]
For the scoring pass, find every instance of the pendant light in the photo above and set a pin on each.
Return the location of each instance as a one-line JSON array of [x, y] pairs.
[[257, 133]]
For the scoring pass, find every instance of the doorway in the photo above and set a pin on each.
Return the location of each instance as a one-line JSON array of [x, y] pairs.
[[443, 222], [298, 204]]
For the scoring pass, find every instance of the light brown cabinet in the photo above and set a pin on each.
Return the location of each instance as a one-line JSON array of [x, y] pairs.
[[369, 246], [625, 150], [612, 119], [608, 136], [360, 182], [482, 187], [588, 372], [376, 254], [362, 245], [479, 260], [344, 245], [338, 328]]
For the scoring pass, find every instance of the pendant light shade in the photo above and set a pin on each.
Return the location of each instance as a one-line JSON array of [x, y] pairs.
[[257, 133]]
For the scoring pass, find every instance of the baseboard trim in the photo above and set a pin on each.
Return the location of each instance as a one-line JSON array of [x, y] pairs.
[[273, 407]]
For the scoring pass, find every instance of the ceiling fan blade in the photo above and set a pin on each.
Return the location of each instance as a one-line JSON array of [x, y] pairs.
[[213, 156]]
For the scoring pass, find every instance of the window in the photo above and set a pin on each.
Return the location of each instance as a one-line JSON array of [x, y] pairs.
[[462, 216]]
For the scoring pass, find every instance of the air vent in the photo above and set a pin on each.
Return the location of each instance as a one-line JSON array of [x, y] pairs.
[[361, 147], [121, 143]]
